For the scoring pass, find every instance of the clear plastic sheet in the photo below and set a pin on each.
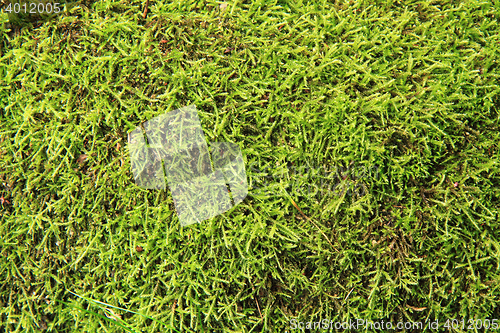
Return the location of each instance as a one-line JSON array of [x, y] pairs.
[[176, 148]]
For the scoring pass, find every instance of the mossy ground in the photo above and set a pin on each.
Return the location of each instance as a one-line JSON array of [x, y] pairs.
[[396, 100]]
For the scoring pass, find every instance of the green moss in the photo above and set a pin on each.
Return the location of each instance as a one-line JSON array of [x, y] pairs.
[[393, 108]]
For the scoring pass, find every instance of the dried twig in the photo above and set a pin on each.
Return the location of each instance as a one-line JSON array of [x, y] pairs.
[[145, 13], [255, 299], [258, 308], [112, 315], [308, 219]]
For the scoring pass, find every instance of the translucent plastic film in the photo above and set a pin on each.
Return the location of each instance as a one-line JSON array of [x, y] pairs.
[[199, 190]]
